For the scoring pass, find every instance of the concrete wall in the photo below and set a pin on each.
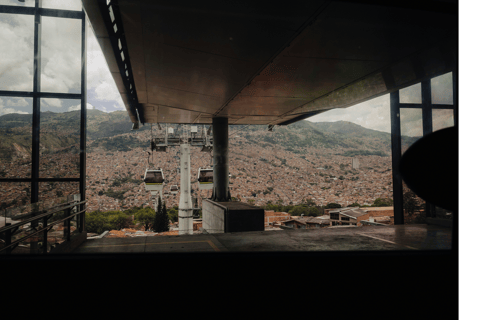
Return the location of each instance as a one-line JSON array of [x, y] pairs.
[[213, 217]]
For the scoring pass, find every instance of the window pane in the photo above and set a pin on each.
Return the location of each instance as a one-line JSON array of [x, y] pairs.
[[442, 118], [13, 195], [412, 94], [413, 206], [442, 89], [27, 3], [61, 55], [411, 128], [59, 138], [62, 4], [53, 193], [16, 50], [15, 137]]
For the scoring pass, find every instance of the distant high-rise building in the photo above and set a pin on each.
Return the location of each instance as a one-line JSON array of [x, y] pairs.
[[355, 163]]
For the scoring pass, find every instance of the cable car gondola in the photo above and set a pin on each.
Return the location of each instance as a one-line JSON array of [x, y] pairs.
[[153, 180], [174, 189], [205, 179]]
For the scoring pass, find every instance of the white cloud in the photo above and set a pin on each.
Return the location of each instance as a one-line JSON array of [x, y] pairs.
[[77, 107], [56, 103], [99, 77], [11, 110], [18, 102], [61, 57], [373, 114], [61, 54], [62, 4], [16, 50]]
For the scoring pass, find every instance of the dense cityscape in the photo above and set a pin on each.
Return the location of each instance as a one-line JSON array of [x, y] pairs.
[[264, 167]]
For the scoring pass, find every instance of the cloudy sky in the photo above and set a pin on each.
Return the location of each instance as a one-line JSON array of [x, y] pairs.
[[61, 65], [375, 113], [61, 62]]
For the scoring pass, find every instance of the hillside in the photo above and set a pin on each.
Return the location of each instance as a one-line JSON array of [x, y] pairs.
[[292, 163], [60, 130]]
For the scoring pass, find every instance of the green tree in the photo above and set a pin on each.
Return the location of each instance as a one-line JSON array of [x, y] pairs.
[[158, 214], [382, 202], [98, 222], [165, 223], [172, 214], [332, 206], [160, 224], [355, 204], [146, 216], [313, 212]]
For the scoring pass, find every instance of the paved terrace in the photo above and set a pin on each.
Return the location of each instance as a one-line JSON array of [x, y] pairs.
[[365, 238]]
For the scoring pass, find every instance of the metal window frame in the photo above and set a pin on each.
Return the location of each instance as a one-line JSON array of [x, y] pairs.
[[38, 12], [426, 106]]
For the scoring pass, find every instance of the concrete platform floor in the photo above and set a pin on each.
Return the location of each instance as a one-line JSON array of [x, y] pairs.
[[365, 238]]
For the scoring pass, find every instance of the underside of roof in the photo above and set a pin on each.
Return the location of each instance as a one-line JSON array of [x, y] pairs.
[[258, 63]]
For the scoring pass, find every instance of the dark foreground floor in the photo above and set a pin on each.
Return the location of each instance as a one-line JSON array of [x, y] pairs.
[[391, 272], [366, 238]]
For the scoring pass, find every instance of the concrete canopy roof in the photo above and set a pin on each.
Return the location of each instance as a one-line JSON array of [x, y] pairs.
[[258, 63]]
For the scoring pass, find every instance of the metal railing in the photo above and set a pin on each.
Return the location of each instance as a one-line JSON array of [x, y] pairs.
[[70, 210]]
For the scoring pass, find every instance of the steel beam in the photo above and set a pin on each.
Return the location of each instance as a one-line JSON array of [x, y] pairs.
[[220, 160], [108, 10], [83, 126], [36, 102], [420, 106], [396, 140]]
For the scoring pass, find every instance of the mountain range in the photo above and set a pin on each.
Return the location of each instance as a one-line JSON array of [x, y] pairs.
[[60, 133]]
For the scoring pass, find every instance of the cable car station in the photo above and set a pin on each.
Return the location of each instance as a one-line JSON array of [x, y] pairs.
[[207, 65]]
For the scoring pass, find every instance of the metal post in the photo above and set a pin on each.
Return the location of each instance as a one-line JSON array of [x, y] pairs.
[[37, 74], [396, 141], [45, 235], [83, 126], [185, 209], [220, 160], [8, 238], [37, 58], [427, 127], [455, 89], [66, 230]]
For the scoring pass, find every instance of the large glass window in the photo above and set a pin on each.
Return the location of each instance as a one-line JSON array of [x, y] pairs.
[[442, 89], [14, 194], [61, 55], [59, 138], [75, 5], [412, 94], [442, 118], [15, 137], [411, 126], [16, 52], [27, 3], [53, 193]]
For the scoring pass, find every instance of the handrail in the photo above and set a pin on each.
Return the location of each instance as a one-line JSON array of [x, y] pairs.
[[45, 215], [38, 217], [50, 226], [21, 216]]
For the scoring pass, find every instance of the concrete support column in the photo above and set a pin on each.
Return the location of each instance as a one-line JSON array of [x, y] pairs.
[[220, 160], [185, 209]]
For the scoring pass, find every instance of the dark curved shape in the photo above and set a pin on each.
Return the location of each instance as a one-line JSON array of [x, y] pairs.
[[430, 168]]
